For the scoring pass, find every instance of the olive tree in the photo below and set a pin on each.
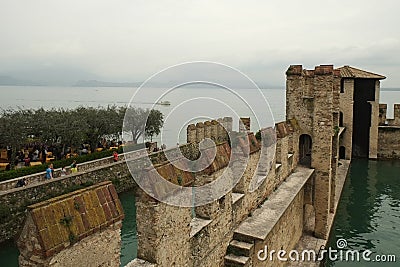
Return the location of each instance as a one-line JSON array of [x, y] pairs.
[[154, 123]]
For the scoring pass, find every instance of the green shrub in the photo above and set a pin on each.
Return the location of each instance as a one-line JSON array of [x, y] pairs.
[[258, 135]]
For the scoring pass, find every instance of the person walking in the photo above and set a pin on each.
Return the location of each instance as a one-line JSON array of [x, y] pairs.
[[63, 171], [115, 155], [49, 172], [74, 167]]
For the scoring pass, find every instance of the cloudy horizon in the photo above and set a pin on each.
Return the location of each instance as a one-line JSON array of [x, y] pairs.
[[129, 40]]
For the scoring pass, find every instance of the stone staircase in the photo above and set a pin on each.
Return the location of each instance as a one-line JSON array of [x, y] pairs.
[[256, 228], [239, 251]]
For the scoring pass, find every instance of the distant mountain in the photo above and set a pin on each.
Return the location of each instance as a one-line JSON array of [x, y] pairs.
[[390, 89], [51, 75], [96, 83], [9, 80]]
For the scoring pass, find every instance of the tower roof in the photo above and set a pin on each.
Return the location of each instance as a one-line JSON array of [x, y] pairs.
[[351, 72]]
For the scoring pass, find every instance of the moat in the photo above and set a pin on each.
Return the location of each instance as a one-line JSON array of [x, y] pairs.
[[368, 215]]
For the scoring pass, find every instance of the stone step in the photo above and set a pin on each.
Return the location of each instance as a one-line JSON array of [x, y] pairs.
[[236, 261], [243, 238], [240, 248]]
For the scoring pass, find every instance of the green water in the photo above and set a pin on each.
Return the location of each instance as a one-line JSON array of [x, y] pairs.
[[128, 232], [368, 215], [9, 252]]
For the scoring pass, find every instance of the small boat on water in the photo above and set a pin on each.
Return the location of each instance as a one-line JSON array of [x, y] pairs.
[[164, 103]]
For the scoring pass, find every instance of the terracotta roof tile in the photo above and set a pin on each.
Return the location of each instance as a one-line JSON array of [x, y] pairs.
[[171, 173], [86, 210], [351, 72]]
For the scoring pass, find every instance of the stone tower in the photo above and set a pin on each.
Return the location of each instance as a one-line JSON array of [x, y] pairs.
[[338, 114], [312, 98]]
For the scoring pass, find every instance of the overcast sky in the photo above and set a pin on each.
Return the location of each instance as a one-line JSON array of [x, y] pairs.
[[129, 40]]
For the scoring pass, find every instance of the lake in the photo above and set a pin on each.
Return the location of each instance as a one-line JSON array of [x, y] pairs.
[[188, 105]]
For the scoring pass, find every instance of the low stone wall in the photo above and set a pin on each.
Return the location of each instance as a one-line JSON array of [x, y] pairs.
[[40, 176], [389, 142]]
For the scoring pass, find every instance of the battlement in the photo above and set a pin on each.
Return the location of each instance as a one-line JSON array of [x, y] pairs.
[[218, 219], [318, 70], [216, 130], [384, 121]]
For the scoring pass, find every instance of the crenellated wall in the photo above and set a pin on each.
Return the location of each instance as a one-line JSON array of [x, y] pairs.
[[384, 121], [216, 130], [203, 236]]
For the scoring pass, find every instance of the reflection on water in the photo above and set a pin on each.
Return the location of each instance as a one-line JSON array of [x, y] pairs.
[[9, 252], [368, 215]]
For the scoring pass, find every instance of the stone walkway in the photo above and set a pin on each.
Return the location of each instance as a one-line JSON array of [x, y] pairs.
[[265, 218], [308, 241]]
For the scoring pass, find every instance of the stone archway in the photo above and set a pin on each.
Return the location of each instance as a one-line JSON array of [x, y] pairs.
[[305, 149]]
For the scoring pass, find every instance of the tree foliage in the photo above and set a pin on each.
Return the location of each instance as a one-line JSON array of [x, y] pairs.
[[73, 127], [154, 123]]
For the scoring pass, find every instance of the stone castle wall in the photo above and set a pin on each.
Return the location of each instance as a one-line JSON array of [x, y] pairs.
[[102, 248], [14, 202], [201, 236], [389, 133]]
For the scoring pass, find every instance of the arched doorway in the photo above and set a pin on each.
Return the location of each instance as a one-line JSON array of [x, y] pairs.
[[342, 152], [305, 148]]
